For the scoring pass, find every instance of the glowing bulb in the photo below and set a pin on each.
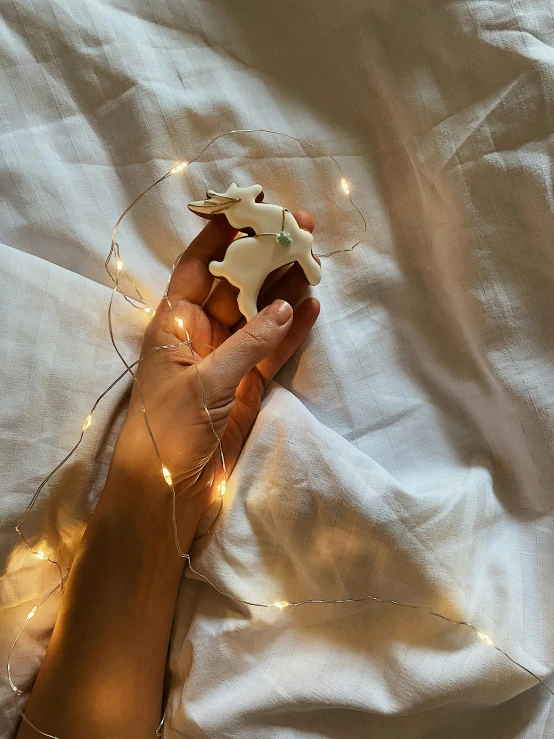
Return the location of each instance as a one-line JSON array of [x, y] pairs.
[[167, 476], [281, 604], [119, 265], [40, 555], [87, 422], [179, 322], [488, 641], [222, 487], [32, 612], [147, 310], [344, 186], [178, 168]]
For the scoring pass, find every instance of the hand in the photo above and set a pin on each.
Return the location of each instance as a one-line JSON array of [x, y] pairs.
[[235, 363], [103, 672]]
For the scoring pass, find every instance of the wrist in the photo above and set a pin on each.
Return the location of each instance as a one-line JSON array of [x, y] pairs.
[[141, 509]]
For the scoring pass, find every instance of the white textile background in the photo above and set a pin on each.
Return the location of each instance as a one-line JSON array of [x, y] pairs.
[[407, 449]]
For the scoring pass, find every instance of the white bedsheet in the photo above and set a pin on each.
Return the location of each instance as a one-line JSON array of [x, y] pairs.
[[407, 450]]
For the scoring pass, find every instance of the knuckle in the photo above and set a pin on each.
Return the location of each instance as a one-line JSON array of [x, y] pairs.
[[258, 337]]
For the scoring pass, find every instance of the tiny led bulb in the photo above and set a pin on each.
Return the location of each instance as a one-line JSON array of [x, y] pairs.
[[147, 310], [178, 168], [223, 487], [344, 186], [41, 555], [87, 422], [488, 641], [167, 476], [32, 612], [179, 322], [281, 604], [119, 265]]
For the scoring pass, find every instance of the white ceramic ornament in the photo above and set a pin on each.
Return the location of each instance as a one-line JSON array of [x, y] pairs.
[[277, 240]]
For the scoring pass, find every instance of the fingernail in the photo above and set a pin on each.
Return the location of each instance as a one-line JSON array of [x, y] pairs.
[[279, 312]]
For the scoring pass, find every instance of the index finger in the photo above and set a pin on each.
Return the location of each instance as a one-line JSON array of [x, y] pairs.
[[192, 279]]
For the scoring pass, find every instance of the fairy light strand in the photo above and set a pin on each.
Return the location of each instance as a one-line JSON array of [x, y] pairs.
[[16, 691], [139, 302], [282, 604]]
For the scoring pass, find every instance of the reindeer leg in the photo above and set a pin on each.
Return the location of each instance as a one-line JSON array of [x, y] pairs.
[[247, 300], [311, 268]]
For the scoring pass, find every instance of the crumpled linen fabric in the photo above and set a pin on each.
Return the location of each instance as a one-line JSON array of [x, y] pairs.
[[406, 451]]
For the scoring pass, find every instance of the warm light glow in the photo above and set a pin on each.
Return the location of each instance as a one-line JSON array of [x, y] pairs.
[[221, 487], [178, 168], [485, 638]]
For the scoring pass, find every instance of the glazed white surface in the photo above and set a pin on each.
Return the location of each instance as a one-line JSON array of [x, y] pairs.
[[249, 260]]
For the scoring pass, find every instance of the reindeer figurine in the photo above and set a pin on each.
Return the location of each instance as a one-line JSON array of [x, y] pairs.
[[274, 239]]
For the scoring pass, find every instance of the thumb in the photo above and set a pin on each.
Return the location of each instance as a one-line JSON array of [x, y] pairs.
[[224, 368]]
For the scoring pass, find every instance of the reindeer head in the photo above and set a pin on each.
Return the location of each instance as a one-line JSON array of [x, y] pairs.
[[236, 203]]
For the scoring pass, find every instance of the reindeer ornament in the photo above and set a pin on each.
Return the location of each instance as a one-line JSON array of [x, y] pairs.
[[274, 239]]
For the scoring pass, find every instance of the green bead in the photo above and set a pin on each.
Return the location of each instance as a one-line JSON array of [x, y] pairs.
[[284, 238]]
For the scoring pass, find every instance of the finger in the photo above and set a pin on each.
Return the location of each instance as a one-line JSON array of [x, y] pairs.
[[222, 303], [304, 219], [225, 367], [250, 391], [304, 318], [192, 279], [248, 398], [290, 287]]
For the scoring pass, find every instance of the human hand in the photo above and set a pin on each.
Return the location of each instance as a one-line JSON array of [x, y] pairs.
[[103, 672], [234, 361]]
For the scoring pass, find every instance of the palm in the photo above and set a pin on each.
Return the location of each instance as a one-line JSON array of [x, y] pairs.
[[207, 333], [210, 317]]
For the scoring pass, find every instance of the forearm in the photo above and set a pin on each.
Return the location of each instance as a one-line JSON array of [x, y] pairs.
[[103, 672], [102, 675]]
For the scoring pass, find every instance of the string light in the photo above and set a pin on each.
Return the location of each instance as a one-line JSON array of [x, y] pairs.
[[16, 691], [178, 168], [222, 487], [486, 639]]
